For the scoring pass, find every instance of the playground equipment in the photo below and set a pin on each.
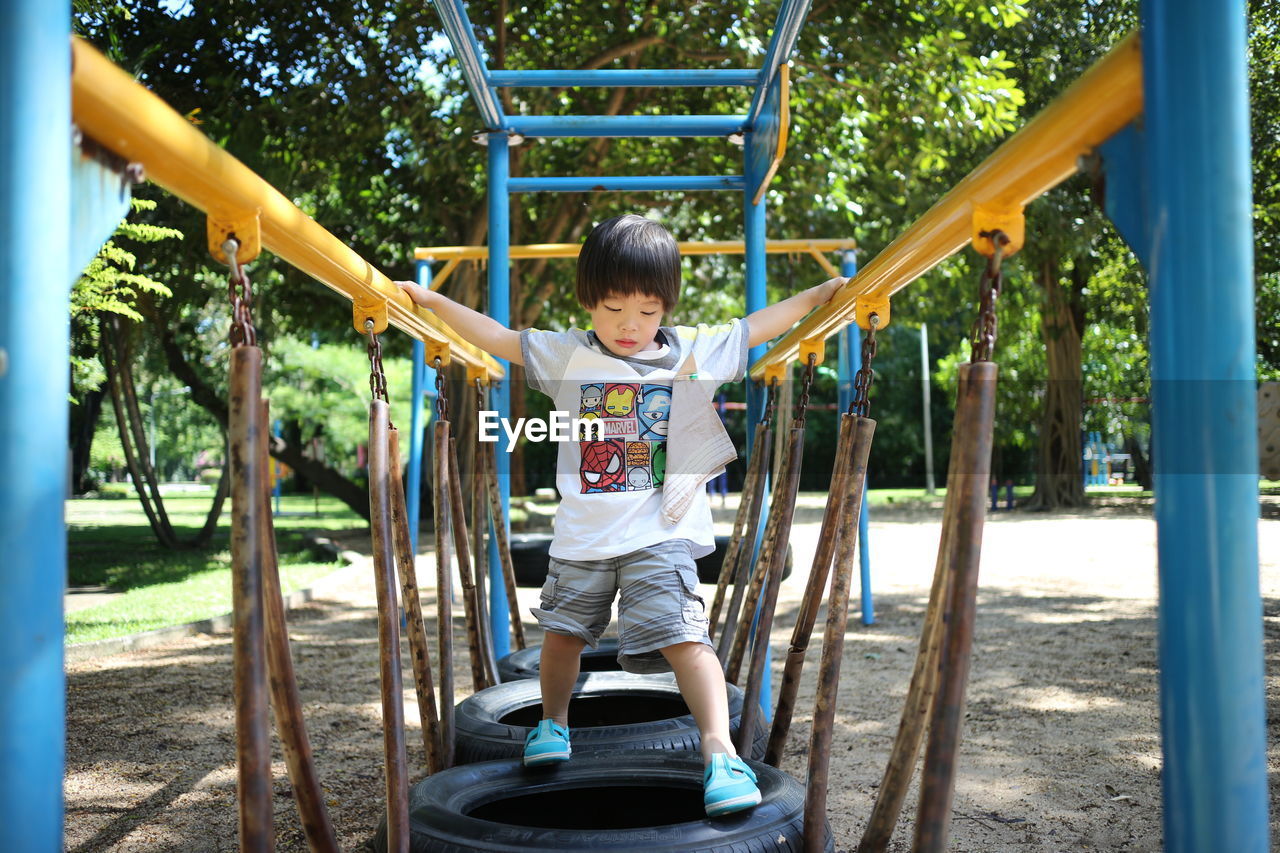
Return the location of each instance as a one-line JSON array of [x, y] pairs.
[[1177, 190]]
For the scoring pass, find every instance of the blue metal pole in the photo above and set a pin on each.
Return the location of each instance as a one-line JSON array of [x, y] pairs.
[[1204, 420], [277, 488], [423, 376], [672, 125], [626, 77], [754, 235], [500, 310], [35, 219], [850, 363]]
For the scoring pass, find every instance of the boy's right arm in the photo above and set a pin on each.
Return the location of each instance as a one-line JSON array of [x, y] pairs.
[[475, 328]]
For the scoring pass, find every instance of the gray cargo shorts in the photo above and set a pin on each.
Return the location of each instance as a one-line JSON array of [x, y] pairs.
[[659, 605]]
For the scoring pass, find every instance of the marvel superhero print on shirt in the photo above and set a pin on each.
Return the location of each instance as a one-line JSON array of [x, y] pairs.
[[632, 456]]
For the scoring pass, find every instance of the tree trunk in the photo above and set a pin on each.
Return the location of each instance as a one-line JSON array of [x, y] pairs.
[[1058, 479], [84, 422], [1141, 464]]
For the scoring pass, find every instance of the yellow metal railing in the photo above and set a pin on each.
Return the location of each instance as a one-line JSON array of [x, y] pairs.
[[120, 114], [1034, 160], [452, 255]]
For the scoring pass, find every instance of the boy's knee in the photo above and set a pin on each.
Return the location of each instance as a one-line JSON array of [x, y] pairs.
[[682, 650], [563, 643]]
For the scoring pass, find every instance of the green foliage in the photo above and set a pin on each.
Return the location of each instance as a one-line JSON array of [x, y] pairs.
[[359, 114], [1264, 94], [324, 392], [110, 285]]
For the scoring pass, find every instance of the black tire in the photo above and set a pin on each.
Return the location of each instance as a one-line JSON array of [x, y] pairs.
[[526, 663], [529, 556], [608, 711], [632, 801]]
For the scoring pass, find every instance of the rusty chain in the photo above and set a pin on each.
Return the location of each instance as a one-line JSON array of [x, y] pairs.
[[806, 382], [989, 284], [242, 332], [860, 405], [442, 401], [770, 402], [481, 398], [377, 376]]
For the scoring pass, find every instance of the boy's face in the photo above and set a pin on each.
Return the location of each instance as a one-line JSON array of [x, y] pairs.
[[628, 324]]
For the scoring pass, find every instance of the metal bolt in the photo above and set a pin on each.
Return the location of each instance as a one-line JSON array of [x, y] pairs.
[[135, 173]]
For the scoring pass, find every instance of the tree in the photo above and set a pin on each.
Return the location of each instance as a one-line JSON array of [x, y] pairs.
[[359, 113], [1064, 232], [108, 286]]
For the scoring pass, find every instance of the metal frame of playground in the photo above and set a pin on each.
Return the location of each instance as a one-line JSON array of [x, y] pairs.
[[1169, 122]]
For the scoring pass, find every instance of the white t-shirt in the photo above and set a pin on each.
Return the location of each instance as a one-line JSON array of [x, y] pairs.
[[610, 490]]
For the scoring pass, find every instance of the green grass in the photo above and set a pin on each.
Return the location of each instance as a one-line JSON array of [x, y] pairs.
[[110, 544]]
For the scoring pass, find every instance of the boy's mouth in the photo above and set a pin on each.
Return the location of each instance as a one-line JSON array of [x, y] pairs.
[[625, 343]]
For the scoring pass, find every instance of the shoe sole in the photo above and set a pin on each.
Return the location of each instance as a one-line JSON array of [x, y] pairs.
[[736, 804], [546, 758]]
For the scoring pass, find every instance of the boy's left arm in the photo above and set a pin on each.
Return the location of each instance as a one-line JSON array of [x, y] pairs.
[[772, 320]]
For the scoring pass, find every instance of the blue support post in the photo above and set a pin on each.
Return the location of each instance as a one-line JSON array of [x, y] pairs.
[[850, 360], [35, 221], [423, 378], [1204, 417], [277, 489], [754, 235], [500, 310]]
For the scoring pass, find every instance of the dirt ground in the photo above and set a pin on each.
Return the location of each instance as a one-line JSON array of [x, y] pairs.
[[1060, 748]]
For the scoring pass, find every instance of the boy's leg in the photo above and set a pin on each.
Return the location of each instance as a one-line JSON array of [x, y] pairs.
[[560, 662], [701, 683], [728, 785]]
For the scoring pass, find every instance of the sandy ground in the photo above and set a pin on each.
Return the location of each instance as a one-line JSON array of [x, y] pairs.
[[1061, 745]]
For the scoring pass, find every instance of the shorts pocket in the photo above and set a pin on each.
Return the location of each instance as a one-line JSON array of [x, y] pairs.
[[548, 594], [692, 605]]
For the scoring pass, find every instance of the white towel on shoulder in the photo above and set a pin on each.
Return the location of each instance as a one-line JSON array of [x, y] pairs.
[[698, 447]]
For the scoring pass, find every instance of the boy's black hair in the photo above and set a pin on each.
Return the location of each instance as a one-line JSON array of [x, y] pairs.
[[629, 254]]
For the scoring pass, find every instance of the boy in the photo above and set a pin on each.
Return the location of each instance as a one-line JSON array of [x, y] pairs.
[[610, 533]]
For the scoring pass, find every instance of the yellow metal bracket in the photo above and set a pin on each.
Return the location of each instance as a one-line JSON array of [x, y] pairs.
[[244, 228], [993, 217], [865, 305], [477, 371], [774, 372], [364, 308], [437, 349], [813, 346]]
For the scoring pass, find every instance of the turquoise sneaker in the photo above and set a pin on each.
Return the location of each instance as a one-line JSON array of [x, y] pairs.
[[728, 785], [548, 743]]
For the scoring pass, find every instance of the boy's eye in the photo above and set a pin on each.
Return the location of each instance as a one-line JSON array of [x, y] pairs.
[[648, 313]]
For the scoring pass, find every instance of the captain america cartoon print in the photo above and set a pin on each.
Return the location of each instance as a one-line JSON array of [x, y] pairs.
[[653, 411]]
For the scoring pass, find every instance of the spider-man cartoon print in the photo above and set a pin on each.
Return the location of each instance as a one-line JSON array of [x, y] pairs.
[[602, 469], [632, 455]]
